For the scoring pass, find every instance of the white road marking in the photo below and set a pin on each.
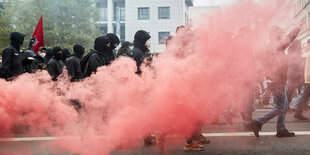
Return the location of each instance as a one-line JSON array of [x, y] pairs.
[[247, 134], [263, 110], [231, 134]]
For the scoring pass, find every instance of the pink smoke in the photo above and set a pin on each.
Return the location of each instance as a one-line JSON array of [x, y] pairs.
[[201, 74]]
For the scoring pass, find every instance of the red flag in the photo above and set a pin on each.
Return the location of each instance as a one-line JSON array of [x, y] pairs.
[[37, 36]]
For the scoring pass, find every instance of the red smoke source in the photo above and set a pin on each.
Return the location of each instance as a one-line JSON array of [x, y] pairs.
[[203, 72]]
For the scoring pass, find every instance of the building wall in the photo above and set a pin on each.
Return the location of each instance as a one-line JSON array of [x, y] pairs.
[[154, 25], [301, 12], [202, 12], [179, 15]]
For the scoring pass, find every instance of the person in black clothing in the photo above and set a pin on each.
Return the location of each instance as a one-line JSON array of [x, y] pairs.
[[28, 58], [74, 65], [125, 50], [65, 55], [48, 56], [39, 58], [114, 42], [55, 65], [97, 57], [141, 48], [11, 59]]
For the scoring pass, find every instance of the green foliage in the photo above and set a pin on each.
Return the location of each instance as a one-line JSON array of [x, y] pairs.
[[65, 22]]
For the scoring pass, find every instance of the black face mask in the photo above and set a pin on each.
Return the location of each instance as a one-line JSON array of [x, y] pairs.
[[57, 56]]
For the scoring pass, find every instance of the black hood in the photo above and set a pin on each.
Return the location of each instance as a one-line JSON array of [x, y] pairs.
[[17, 39], [78, 50], [140, 39], [55, 54], [65, 54], [101, 44], [114, 40]]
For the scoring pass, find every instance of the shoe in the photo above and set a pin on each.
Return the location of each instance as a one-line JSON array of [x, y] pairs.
[[194, 146], [203, 140], [256, 127], [150, 140], [300, 116], [268, 106], [285, 133]]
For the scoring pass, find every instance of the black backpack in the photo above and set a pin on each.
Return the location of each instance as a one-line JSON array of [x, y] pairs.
[[84, 62]]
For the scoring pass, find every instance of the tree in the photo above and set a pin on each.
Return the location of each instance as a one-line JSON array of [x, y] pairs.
[[65, 22]]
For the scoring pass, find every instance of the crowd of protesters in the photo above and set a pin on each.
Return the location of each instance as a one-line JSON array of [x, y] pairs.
[[282, 85]]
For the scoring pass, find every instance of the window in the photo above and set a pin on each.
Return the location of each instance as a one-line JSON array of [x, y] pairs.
[[103, 14], [143, 13], [119, 10], [102, 4], [121, 31], [164, 13], [162, 36], [104, 28]]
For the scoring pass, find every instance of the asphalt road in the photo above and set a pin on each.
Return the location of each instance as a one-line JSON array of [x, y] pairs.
[[225, 139]]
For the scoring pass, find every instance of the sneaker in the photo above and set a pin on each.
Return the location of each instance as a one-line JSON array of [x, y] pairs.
[[203, 140], [268, 106], [300, 116], [194, 146], [285, 133], [150, 140], [256, 127]]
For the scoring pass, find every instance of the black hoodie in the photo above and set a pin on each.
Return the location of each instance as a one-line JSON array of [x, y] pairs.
[[140, 51], [74, 64], [55, 65], [109, 56], [11, 57], [64, 55], [97, 57]]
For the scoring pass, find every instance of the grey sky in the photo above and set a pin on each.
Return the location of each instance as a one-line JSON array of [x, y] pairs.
[[211, 2]]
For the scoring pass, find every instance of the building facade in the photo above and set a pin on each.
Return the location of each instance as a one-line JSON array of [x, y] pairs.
[[301, 12], [203, 12], [158, 17]]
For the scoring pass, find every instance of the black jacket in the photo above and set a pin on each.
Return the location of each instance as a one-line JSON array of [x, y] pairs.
[[48, 56], [97, 57], [109, 55], [39, 62], [11, 57], [95, 60], [74, 68], [28, 62], [54, 68], [140, 51], [11, 62]]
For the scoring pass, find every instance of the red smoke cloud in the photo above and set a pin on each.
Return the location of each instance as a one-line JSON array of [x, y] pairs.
[[202, 73]]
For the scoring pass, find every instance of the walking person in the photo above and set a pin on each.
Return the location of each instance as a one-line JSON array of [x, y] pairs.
[[301, 100], [140, 51], [55, 65], [74, 64], [11, 57], [96, 58], [277, 85]]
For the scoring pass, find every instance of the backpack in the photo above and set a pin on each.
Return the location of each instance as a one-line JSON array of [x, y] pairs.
[[84, 61], [85, 64]]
